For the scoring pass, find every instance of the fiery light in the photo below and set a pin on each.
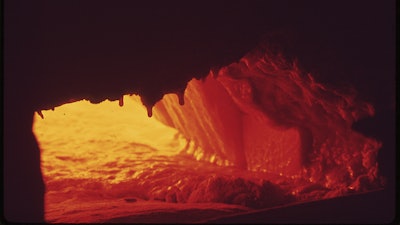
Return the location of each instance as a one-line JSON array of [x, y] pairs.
[[255, 134], [74, 136]]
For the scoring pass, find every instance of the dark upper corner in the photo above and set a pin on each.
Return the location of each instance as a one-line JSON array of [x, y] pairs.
[[61, 50]]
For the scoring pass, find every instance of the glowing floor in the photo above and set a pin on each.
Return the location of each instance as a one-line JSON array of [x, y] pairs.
[[106, 163], [100, 167]]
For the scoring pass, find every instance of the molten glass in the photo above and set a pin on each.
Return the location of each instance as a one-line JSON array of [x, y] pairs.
[[255, 134]]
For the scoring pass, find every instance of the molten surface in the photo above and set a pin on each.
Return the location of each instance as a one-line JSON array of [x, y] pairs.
[[255, 134], [102, 162], [74, 135]]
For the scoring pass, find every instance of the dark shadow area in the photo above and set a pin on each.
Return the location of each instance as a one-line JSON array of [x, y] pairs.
[[357, 209]]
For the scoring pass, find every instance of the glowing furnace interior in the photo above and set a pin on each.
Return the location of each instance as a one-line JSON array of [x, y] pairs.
[[255, 134]]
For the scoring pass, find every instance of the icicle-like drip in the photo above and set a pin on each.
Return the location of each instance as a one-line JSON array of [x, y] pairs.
[[148, 104], [149, 111], [181, 97], [121, 101], [40, 113]]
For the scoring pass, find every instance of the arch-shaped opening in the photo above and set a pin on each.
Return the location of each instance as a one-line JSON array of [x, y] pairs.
[[255, 134]]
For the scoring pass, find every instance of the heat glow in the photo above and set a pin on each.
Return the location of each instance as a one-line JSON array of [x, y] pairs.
[[255, 134]]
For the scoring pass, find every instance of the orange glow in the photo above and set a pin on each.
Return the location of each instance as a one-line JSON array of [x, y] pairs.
[[85, 129], [85, 146], [255, 134]]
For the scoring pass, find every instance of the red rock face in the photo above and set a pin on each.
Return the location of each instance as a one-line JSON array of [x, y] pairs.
[[264, 114], [209, 118]]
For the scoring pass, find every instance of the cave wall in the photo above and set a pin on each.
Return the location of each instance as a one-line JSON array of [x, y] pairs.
[[59, 51]]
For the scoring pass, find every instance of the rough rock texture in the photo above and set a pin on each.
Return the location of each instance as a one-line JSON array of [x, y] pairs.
[[264, 114]]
